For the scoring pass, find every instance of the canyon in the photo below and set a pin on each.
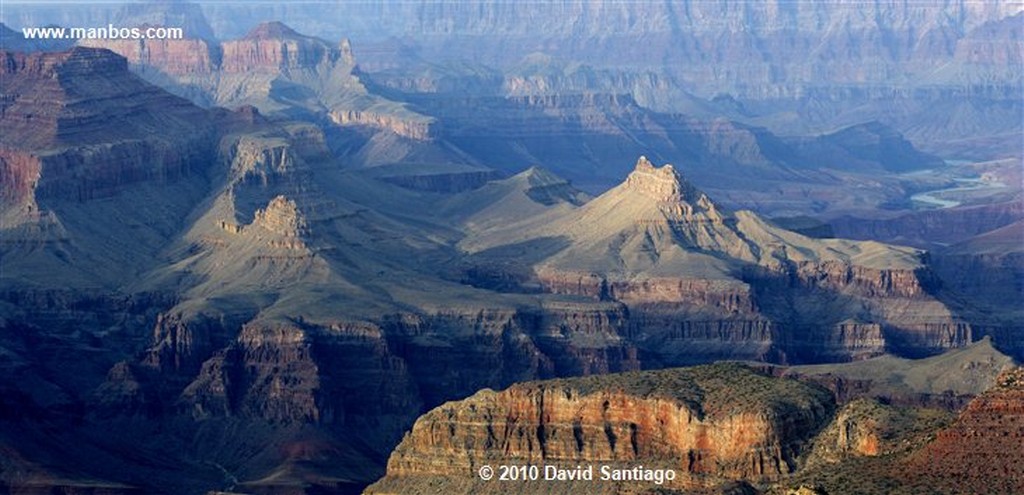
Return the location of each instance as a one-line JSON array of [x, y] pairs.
[[722, 428], [294, 265]]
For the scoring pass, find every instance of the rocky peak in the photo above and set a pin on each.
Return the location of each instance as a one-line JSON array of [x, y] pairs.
[[272, 30], [663, 184], [282, 216], [537, 176], [346, 52], [276, 46], [676, 197]]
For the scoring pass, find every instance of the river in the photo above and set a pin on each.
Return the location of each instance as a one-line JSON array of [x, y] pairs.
[[932, 198]]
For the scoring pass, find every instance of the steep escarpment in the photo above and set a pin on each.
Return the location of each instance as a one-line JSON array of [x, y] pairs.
[[277, 70], [81, 96], [707, 424], [708, 278], [274, 46], [931, 228], [980, 451], [421, 129], [77, 127], [988, 269]]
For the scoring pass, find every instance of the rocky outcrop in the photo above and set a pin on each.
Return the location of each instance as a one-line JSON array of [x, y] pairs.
[[19, 172], [260, 160], [422, 129], [172, 57], [85, 96], [180, 343], [282, 217], [442, 182], [81, 126], [860, 428], [980, 452], [267, 68], [706, 424], [275, 46]]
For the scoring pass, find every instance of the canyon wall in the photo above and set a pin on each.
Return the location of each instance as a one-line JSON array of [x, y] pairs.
[[705, 423]]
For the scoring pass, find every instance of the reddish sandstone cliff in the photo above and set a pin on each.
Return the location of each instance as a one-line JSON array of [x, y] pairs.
[[709, 424], [983, 451]]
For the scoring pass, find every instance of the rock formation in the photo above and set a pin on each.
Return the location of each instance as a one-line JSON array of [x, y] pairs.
[[274, 69], [697, 422], [273, 318], [77, 126], [703, 274], [980, 452], [707, 424]]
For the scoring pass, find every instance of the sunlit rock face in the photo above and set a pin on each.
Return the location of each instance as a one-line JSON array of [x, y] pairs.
[[693, 421]]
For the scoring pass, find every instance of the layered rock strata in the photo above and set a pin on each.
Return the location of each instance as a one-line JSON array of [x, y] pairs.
[[707, 424], [980, 452]]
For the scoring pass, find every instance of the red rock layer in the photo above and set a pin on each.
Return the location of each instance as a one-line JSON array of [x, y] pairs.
[[983, 451], [706, 438], [84, 127]]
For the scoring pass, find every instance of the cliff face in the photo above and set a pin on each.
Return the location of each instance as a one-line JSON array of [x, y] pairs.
[[77, 126], [276, 70], [84, 96], [980, 451], [88, 125], [928, 228], [173, 57], [274, 46], [691, 421], [422, 129], [19, 171]]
